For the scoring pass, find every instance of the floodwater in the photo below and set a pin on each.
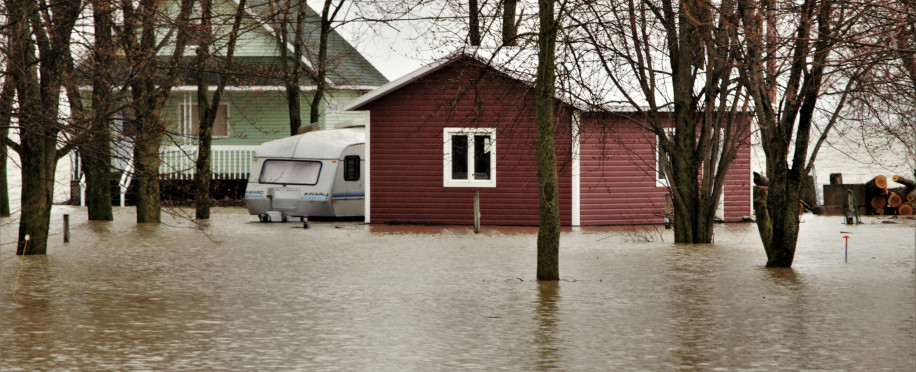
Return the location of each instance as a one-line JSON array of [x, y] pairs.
[[352, 297]]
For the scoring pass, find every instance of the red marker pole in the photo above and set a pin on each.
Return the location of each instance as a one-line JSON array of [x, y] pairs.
[[846, 253]]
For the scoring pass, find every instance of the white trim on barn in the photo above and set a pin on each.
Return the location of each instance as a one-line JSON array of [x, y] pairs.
[[368, 172], [576, 172]]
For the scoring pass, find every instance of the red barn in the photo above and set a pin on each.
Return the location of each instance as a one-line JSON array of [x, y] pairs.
[[458, 126]]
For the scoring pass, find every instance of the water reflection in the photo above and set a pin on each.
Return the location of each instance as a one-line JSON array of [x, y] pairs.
[[691, 272], [545, 338]]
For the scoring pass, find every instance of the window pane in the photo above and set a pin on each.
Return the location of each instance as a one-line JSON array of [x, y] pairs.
[[660, 167], [290, 172], [459, 157], [482, 157], [189, 122], [351, 168], [221, 124]]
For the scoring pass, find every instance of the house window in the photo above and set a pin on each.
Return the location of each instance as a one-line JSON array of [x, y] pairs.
[[334, 105], [470, 157], [290, 172], [661, 160], [351, 168], [189, 121]]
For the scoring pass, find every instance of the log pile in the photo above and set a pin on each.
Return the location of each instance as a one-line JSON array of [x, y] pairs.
[[895, 201]]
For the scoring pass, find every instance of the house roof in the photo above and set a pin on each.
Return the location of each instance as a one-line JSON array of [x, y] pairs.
[[347, 66], [518, 72]]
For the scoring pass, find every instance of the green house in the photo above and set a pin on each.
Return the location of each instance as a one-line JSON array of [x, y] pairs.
[[253, 107]]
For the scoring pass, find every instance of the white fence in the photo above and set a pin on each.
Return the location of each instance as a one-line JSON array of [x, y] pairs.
[[178, 162], [226, 162]]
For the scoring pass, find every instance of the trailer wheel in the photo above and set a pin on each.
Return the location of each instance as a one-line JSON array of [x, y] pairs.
[[265, 217]]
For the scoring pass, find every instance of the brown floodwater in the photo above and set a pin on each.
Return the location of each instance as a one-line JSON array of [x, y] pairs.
[[347, 296]]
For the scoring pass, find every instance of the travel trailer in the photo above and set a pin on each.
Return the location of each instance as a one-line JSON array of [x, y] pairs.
[[317, 173]]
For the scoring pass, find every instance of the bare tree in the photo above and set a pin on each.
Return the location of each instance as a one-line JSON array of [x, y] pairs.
[[7, 95], [785, 77], [150, 83], [328, 15], [95, 150], [208, 107], [669, 64], [39, 52], [548, 181]]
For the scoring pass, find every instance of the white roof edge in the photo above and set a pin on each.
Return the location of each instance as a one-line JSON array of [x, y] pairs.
[[398, 83]]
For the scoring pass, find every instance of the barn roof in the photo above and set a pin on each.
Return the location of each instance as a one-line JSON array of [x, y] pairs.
[[520, 70]]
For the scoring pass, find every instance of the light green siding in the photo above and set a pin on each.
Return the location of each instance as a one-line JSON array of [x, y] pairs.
[[259, 116]]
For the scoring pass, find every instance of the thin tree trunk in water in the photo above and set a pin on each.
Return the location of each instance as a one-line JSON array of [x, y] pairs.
[[202, 176], [38, 157], [38, 94], [6, 109], [96, 154], [549, 221], [209, 110], [146, 168], [148, 96]]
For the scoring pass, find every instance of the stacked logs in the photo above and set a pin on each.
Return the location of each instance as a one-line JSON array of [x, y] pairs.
[[895, 201]]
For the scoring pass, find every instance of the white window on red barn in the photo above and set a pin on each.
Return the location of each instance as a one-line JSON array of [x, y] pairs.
[[469, 157], [661, 160]]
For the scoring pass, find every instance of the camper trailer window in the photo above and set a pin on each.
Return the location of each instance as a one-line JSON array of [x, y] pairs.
[[351, 168], [470, 157], [290, 172]]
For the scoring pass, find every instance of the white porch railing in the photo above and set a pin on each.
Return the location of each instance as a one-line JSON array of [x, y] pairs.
[[226, 162], [178, 162]]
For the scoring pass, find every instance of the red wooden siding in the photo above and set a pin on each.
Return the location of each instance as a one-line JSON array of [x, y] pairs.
[[618, 186], [406, 149]]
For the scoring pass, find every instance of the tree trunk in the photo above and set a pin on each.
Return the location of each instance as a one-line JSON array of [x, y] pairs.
[[510, 28], [782, 208], [209, 109], [206, 116], [203, 174], [38, 157], [322, 65], [149, 95], [291, 66], [549, 221], [294, 107], [96, 152], [474, 23], [38, 89], [6, 108], [146, 166]]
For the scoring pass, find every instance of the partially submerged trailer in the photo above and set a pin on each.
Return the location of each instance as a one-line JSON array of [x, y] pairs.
[[318, 173]]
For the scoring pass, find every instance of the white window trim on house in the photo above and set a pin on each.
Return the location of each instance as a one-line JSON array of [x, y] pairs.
[[186, 119], [448, 134]]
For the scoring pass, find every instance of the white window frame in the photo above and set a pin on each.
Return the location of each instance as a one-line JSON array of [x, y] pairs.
[[660, 180], [186, 120], [447, 180]]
